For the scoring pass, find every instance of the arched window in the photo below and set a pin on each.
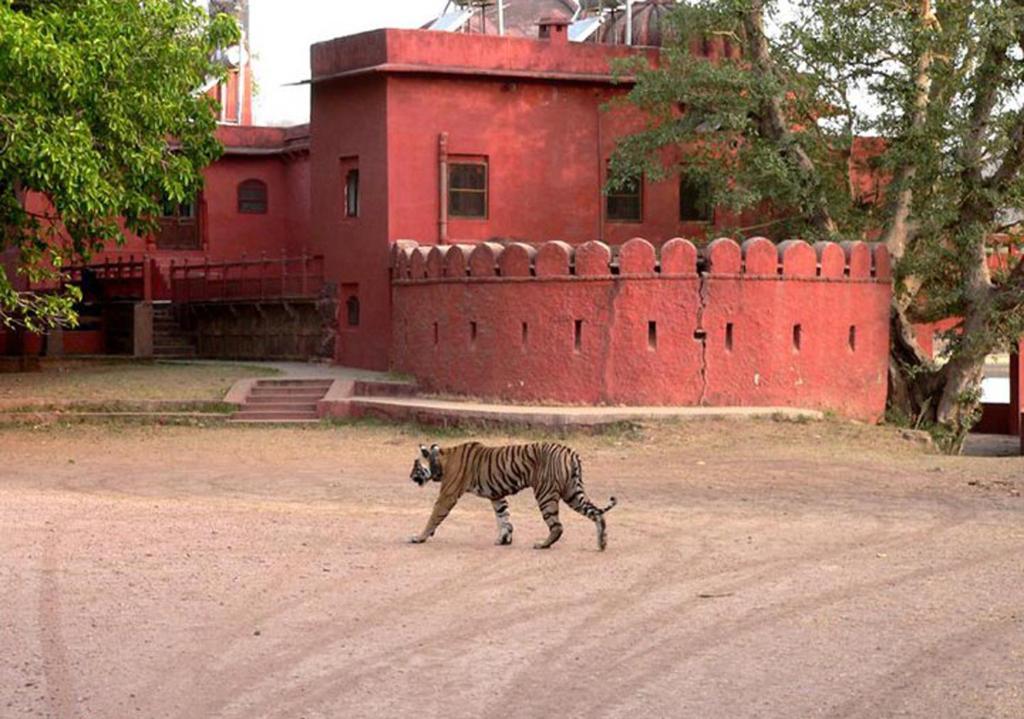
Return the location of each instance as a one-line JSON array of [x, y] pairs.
[[252, 197]]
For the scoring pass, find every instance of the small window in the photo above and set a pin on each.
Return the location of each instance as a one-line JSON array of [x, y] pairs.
[[352, 311], [467, 189], [252, 197], [693, 202], [352, 193], [625, 204]]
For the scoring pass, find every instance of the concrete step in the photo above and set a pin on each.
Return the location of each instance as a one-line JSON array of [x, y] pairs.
[[279, 407], [312, 392], [272, 421], [274, 415], [305, 398], [325, 383]]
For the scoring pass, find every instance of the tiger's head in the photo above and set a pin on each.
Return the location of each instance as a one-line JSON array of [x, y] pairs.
[[427, 466]]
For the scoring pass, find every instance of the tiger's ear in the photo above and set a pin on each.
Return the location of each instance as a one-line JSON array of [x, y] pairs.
[[424, 452], [434, 450]]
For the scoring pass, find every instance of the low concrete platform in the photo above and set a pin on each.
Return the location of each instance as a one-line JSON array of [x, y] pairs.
[[448, 412]]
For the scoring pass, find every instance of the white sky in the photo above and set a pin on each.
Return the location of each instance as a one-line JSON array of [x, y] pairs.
[[281, 32]]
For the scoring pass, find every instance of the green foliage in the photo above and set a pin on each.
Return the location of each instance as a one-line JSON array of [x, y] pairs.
[[101, 114]]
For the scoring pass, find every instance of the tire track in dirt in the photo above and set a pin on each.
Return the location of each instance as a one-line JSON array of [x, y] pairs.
[[630, 671], [948, 655], [61, 694], [638, 638], [501, 623], [236, 679]]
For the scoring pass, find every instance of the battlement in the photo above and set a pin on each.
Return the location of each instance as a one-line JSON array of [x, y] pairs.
[[757, 257], [760, 324]]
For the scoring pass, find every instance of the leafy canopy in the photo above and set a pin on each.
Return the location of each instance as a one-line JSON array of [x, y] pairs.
[[102, 114]]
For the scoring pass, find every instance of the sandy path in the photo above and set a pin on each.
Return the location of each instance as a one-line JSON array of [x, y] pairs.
[[808, 570]]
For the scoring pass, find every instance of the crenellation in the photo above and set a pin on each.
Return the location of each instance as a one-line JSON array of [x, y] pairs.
[[516, 260], [760, 257], [553, 259], [593, 259], [637, 257], [858, 259], [678, 257], [724, 257], [831, 260], [798, 259]]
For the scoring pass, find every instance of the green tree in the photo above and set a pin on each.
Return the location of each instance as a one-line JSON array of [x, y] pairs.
[[101, 113], [939, 85]]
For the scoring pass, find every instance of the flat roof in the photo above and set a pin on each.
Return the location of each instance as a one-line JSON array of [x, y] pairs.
[[448, 53]]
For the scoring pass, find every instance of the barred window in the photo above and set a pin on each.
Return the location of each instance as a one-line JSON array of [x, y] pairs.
[[467, 189], [625, 204], [252, 197], [352, 193]]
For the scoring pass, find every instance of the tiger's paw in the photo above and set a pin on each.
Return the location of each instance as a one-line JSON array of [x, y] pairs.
[[503, 539], [417, 539], [541, 545]]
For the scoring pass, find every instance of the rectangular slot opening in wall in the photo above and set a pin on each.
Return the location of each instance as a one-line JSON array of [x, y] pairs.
[[472, 333], [578, 336], [797, 337], [728, 336], [526, 333], [652, 335], [852, 339], [437, 335]]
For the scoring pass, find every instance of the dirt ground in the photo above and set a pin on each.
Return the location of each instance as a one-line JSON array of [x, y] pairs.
[[754, 569], [125, 379]]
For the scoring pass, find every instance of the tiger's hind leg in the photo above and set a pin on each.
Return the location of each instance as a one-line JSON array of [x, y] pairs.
[[547, 500], [504, 521], [577, 499]]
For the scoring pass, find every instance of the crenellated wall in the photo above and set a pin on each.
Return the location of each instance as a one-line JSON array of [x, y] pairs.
[[757, 325]]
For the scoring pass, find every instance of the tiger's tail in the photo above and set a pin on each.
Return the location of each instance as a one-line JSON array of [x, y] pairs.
[[611, 503]]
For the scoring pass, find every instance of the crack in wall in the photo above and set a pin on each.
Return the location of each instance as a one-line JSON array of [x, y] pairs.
[[701, 333]]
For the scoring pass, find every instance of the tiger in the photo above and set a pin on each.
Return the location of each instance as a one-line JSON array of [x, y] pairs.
[[553, 471]]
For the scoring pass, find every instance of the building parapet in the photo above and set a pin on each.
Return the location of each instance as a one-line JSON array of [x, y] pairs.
[[757, 257]]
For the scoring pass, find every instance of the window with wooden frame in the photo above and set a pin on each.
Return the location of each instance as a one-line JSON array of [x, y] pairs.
[[625, 203], [467, 188], [252, 197], [693, 201]]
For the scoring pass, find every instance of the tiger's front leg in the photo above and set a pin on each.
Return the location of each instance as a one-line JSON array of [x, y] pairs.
[[442, 507], [504, 521]]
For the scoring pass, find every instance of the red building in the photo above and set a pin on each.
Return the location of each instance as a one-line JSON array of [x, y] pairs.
[[425, 148]]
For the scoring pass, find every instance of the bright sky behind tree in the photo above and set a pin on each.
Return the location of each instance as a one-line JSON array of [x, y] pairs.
[[282, 31]]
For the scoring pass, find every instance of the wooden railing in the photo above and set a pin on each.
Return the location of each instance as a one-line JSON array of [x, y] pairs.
[[127, 278], [247, 279]]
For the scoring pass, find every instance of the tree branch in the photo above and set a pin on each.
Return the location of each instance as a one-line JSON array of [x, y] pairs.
[[896, 232], [773, 124]]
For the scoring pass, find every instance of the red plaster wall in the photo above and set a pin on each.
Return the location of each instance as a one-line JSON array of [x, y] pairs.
[[547, 146], [616, 362], [348, 120]]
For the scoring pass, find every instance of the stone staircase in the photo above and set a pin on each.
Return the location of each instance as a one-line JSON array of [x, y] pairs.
[[169, 340], [282, 400]]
